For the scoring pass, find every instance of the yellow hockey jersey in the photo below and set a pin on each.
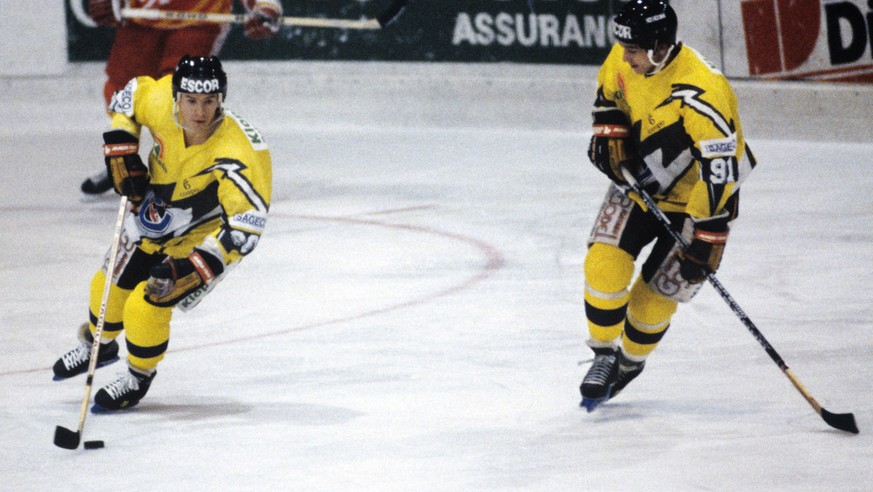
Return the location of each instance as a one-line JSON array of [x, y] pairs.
[[214, 196], [685, 127]]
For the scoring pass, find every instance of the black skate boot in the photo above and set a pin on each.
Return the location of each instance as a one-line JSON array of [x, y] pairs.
[[627, 371], [598, 382], [125, 392], [76, 361], [98, 184]]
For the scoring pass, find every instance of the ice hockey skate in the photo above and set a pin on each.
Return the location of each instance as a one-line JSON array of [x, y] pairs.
[[627, 371], [601, 376], [76, 361], [125, 392], [610, 373]]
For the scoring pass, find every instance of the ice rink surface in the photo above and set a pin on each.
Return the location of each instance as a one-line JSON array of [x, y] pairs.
[[412, 318]]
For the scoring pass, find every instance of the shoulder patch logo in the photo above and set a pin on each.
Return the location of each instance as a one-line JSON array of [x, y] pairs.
[[122, 101], [719, 147]]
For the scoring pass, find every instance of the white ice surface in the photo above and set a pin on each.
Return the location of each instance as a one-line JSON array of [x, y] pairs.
[[412, 319]]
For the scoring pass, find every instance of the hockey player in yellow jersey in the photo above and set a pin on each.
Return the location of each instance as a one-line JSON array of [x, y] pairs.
[[197, 208], [669, 118]]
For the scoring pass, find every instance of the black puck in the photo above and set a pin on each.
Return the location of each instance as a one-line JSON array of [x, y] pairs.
[[93, 444]]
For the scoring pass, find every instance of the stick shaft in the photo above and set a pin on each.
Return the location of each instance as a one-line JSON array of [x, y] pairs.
[[215, 18], [722, 291], [101, 317]]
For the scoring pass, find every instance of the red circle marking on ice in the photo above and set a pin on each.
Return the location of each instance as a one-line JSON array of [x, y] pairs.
[[494, 261]]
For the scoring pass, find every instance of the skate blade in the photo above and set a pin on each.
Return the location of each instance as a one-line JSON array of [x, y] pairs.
[[99, 365], [98, 409], [591, 403]]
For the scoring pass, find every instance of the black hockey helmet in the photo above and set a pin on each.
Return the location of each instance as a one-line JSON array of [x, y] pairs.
[[200, 75], [646, 23]]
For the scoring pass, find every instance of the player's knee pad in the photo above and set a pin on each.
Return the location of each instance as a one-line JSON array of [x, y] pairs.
[[112, 321], [608, 268], [667, 279], [648, 318], [608, 271], [147, 329], [649, 307]]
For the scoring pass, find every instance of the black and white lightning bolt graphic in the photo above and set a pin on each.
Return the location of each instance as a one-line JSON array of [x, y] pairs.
[[689, 95], [233, 168]]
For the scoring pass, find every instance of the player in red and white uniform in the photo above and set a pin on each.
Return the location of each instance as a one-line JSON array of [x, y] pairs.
[[666, 115], [153, 47]]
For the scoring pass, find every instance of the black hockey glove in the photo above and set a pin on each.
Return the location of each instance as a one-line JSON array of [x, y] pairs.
[[130, 176], [610, 144], [175, 278], [705, 251]]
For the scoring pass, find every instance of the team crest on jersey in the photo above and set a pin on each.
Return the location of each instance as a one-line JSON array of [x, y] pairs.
[[154, 217]]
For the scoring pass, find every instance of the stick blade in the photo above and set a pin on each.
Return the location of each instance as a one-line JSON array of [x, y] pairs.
[[392, 12], [67, 439], [842, 421]]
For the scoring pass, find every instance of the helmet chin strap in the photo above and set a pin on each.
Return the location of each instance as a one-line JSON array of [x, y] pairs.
[[658, 66], [215, 121]]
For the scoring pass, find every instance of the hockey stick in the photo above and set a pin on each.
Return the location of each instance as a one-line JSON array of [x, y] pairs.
[[390, 14], [841, 421], [66, 438]]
